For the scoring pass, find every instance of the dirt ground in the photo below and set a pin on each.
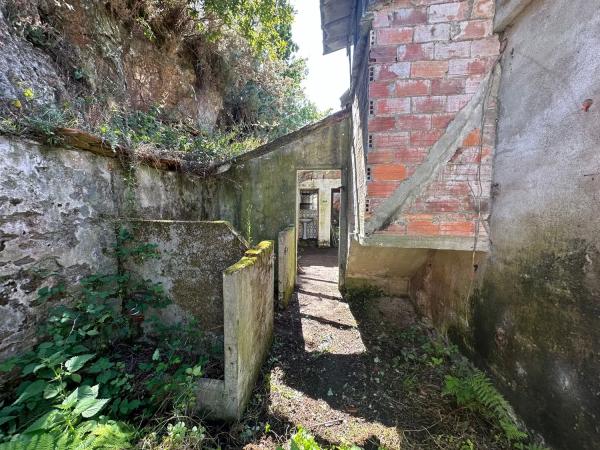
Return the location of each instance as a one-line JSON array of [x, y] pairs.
[[365, 372]]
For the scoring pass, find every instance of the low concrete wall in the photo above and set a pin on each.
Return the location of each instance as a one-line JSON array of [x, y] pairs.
[[286, 265], [387, 268], [442, 288], [248, 297], [193, 255]]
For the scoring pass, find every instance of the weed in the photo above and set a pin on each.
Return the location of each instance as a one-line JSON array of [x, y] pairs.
[[85, 366], [476, 392]]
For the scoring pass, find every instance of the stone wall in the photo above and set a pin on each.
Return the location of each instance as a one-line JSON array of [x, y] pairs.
[[537, 316], [192, 258], [58, 211], [59, 208]]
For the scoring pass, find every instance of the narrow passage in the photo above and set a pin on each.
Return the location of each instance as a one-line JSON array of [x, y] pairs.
[[360, 371]]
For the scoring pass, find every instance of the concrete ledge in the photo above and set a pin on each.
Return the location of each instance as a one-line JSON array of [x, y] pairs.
[[286, 265], [248, 305], [394, 286], [426, 242], [507, 11]]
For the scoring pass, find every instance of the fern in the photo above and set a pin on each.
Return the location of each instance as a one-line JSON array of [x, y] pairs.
[[477, 392]]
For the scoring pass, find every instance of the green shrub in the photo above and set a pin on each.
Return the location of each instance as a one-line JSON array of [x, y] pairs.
[[92, 368]]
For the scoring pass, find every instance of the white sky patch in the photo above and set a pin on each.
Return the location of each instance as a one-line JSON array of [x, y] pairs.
[[328, 76]]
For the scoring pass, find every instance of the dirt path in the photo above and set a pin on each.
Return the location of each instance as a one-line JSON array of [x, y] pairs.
[[364, 372]]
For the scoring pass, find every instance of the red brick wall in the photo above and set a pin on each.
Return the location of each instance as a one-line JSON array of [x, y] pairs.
[[427, 60]]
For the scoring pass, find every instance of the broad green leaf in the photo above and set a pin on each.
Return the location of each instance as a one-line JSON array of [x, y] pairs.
[[52, 390], [100, 366], [89, 407], [45, 423], [32, 390], [77, 362], [5, 419]]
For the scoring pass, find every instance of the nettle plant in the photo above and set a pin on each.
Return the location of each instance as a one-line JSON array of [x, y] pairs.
[[75, 387]]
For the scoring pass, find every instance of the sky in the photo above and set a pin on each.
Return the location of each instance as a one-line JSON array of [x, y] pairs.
[[328, 75]]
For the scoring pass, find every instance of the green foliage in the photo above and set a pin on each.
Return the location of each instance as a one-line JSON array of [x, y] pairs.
[[153, 130], [476, 392], [303, 440], [63, 386], [362, 294]]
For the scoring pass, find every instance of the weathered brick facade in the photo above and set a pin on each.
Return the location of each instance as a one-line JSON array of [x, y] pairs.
[[427, 60]]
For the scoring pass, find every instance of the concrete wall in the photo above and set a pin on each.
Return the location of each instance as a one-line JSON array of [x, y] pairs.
[[537, 315], [257, 192], [286, 265], [193, 255], [248, 288]]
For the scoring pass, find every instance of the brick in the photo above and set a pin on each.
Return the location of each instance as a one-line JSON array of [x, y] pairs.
[[473, 139], [452, 50], [483, 9], [418, 217], [448, 205], [378, 89], [396, 228], [410, 122], [444, 86], [409, 16], [441, 121], [451, 188], [457, 228], [394, 71], [381, 124], [425, 138], [381, 157], [428, 104], [422, 227], [463, 67], [472, 29], [412, 88], [430, 33], [391, 106], [429, 2], [457, 102], [381, 188], [448, 12], [472, 84], [411, 155], [391, 140], [383, 54], [388, 172], [394, 36], [415, 52], [429, 69], [485, 47], [381, 19]]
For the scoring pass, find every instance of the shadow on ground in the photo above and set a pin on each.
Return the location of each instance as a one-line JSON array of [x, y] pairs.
[[365, 372]]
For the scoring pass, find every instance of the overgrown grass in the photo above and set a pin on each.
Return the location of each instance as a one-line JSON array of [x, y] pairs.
[[148, 131]]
